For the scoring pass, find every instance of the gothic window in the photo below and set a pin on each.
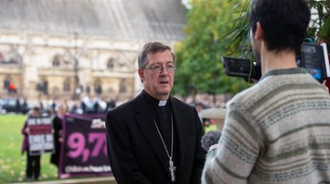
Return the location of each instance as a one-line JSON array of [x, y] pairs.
[[10, 56], [42, 86], [111, 63], [122, 86], [56, 60], [88, 89], [6, 83], [66, 85]]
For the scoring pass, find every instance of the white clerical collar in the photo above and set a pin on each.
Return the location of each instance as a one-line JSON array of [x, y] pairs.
[[162, 102]]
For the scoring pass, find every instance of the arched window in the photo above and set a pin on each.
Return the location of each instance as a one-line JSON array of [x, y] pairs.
[[56, 60], [111, 64], [42, 86], [6, 83], [122, 86], [66, 85]]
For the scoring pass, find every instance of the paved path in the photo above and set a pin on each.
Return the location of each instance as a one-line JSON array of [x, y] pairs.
[[96, 180]]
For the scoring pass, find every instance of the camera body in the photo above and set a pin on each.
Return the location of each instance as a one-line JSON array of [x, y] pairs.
[[313, 57], [244, 68]]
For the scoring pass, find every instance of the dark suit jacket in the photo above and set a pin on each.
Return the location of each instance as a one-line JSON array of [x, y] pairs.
[[135, 150]]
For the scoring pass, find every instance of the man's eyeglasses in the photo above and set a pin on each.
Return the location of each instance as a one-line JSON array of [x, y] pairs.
[[159, 68]]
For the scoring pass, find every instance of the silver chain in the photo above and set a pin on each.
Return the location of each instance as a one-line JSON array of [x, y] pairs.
[[161, 137]]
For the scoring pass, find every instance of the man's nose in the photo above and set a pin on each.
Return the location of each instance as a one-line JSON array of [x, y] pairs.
[[164, 70]]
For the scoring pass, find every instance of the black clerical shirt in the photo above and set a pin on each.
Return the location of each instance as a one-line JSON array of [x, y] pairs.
[[162, 116]]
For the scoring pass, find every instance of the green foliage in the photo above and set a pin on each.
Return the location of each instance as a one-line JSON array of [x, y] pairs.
[[199, 54], [320, 21], [318, 30], [220, 27], [324, 33]]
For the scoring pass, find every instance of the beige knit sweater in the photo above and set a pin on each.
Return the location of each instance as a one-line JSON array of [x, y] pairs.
[[277, 131]]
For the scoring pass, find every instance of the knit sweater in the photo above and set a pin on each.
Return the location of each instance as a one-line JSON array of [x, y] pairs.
[[277, 131]]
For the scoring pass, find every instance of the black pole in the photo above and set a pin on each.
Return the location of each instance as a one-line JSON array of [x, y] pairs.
[[76, 78], [215, 43]]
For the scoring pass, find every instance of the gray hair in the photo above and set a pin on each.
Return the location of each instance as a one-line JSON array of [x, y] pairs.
[[152, 47]]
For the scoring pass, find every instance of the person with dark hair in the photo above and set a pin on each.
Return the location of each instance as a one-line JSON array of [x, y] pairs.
[[277, 131], [83, 107], [111, 104], [155, 138], [25, 106], [18, 106], [96, 107], [33, 161]]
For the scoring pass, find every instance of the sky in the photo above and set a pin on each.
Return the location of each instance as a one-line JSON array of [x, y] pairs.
[[185, 2]]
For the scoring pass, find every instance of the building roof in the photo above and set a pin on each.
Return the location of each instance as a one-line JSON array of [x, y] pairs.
[[117, 19]]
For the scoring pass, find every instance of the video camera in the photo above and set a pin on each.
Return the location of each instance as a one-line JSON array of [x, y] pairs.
[[313, 57]]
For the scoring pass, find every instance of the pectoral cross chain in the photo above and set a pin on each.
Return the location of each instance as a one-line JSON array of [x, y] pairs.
[[172, 168]]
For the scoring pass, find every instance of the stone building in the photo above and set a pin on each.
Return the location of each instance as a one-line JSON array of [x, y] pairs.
[[66, 49]]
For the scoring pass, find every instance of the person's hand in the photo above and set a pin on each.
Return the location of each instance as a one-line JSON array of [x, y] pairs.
[[326, 87], [27, 130]]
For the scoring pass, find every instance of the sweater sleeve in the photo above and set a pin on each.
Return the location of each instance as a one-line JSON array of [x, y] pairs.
[[238, 150]]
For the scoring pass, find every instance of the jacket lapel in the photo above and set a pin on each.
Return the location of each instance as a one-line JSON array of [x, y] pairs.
[[181, 128], [145, 121]]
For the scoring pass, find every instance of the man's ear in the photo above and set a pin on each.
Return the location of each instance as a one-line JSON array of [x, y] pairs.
[[259, 34], [141, 74]]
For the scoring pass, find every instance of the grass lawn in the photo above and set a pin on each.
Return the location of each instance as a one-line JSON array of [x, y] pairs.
[[12, 162]]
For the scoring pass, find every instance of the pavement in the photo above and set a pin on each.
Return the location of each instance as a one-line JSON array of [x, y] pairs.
[[98, 180]]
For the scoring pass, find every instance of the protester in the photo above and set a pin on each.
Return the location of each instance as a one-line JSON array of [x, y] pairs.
[[155, 138], [58, 137], [33, 161], [277, 131]]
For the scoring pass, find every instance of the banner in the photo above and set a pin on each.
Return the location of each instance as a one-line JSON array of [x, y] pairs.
[[84, 149], [41, 138]]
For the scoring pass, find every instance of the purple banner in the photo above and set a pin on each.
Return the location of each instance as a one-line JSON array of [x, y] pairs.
[[84, 152]]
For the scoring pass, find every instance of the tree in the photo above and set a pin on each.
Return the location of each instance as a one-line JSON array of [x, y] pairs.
[[221, 27], [199, 54], [318, 30]]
